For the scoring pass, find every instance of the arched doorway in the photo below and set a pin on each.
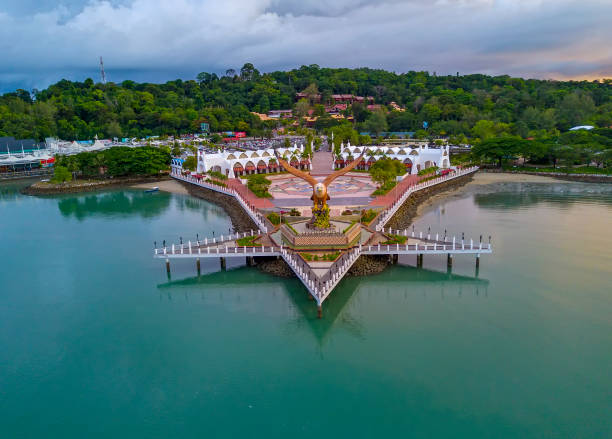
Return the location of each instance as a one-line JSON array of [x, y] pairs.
[[261, 167], [250, 168], [408, 165], [238, 169]]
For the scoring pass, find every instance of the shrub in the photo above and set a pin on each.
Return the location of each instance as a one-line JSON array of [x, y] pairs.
[[274, 218], [395, 239], [217, 175], [349, 226], [294, 212], [385, 188], [258, 184], [367, 216], [347, 212], [427, 171], [247, 241]]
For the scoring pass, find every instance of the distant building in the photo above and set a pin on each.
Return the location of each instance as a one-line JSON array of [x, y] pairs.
[[582, 127], [277, 114], [12, 145], [414, 157]]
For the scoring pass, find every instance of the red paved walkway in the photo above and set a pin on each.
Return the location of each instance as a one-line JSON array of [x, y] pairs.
[[260, 203], [395, 193], [322, 163]]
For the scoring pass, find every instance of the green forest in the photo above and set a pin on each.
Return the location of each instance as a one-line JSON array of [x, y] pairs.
[[471, 106]]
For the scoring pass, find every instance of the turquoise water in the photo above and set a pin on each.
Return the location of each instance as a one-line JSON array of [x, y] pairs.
[[97, 342]]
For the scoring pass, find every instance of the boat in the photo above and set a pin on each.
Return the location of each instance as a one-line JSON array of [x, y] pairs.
[[153, 189]]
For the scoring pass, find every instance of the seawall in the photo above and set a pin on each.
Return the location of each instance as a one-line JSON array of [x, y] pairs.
[[241, 221]]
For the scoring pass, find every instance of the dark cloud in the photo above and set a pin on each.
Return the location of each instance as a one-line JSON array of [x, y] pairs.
[[164, 39]]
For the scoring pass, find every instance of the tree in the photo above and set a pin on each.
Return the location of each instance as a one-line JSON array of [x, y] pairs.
[[575, 109], [248, 72], [360, 112], [61, 174], [301, 108], [190, 163], [498, 148], [385, 170], [377, 122]]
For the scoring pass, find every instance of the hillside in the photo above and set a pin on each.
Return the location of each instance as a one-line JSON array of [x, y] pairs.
[[472, 105]]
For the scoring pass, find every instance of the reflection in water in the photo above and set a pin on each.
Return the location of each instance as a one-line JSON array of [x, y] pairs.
[[118, 204], [9, 190], [401, 282], [510, 196]]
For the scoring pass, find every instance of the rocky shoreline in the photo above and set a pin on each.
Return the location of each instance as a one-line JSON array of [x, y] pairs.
[[77, 186], [274, 266], [241, 221], [584, 178]]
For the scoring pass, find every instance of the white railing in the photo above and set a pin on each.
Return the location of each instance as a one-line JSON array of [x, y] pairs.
[[305, 274], [388, 213], [255, 216], [338, 270], [214, 241], [428, 243], [226, 251]]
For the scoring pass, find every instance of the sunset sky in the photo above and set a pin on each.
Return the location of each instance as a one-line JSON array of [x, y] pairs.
[[43, 41]]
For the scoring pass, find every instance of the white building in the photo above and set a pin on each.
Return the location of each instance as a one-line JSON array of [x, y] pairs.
[[263, 161], [413, 157]]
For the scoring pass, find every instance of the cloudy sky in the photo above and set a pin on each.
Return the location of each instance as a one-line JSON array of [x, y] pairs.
[[42, 41]]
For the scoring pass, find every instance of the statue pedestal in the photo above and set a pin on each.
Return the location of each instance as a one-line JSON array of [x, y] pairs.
[[303, 236]]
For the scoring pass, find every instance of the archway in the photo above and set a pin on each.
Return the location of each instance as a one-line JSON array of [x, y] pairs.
[[408, 165], [250, 168], [445, 163], [238, 169], [261, 167]]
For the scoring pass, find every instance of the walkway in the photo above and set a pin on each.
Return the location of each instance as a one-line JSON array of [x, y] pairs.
[[248, 196], [393, 194], [322, 163]]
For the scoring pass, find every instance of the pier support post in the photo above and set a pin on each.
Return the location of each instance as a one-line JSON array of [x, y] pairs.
[[478, 260], [449, 260], [168, 266], [319, 311], [222, 259], [198, 265], [250, 261], [394, 259], [420, 260]]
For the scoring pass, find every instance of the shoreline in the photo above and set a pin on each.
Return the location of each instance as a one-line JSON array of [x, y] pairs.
[[81, 186], [583, 178]]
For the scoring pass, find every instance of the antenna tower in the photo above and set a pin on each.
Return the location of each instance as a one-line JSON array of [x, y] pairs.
[[102, 73]]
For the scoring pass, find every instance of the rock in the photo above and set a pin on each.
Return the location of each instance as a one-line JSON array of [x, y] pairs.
[[241, 221], [276, 267], [407, 212], [368, 264]]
